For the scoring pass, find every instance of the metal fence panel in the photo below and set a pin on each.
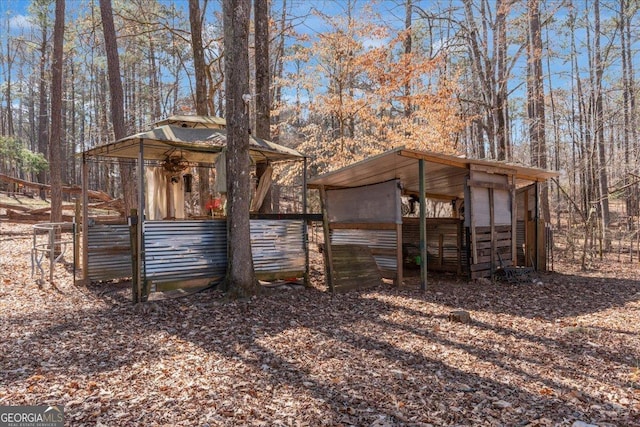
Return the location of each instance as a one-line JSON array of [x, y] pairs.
[[277, 245], [374, 239], [186, 250], [183, 250], [109, 251]]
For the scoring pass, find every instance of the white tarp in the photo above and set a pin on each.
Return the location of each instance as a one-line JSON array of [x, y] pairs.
[[164, 196], [377, 203]]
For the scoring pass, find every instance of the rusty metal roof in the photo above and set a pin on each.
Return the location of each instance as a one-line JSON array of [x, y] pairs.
[[445, 174]]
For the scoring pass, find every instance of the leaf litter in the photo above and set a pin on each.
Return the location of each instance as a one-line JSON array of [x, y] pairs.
[[564, 351]]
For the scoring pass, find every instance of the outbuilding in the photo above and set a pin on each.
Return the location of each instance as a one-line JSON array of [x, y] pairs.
[[164, 247], [491, 217]]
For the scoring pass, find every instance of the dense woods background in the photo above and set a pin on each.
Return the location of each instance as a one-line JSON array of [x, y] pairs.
[[548, 83]]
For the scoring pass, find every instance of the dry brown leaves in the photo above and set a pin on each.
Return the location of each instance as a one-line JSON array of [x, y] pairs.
[[564, 351]]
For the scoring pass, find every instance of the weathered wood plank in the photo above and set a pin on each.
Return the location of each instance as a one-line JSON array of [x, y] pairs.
[[354, 267]]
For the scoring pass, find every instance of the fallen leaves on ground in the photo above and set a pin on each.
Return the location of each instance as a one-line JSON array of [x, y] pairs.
[[562, 351]]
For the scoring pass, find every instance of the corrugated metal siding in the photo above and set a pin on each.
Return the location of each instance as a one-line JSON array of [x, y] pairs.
[[374, 239], [183, 250], [277, 245], [109, 252]]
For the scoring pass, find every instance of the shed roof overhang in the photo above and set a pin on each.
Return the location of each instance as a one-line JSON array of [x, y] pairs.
[[445, 174], [193, 144]]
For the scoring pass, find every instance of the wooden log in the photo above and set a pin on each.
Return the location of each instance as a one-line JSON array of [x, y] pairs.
[[29, 217], [14, 207], [97, 195]]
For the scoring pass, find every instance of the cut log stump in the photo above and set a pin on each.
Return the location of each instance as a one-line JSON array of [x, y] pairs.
[[460, 316]]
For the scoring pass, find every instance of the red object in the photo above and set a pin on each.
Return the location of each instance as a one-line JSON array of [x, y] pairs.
[[213, 204]]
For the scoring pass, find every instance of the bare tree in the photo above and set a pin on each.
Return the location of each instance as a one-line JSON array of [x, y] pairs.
[[603, 180], [240, 280]]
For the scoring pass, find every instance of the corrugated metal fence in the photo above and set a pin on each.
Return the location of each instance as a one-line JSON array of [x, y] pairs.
[[109, 251], [278, 248], [184, 250], [381, 242], [187, 250]]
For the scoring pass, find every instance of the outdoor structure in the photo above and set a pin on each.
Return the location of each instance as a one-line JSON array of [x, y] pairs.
[[163, 247], [494, 219]]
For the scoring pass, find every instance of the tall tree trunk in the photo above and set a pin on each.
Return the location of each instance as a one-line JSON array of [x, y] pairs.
[[127, 177], [408, 38], [8, 60], [202, 109], [240, 280], [43, 115], [629, 134], [263, 80], [502, 9], [55, 143], [603, 180], [535, 90], [278, 66], [199, 64]]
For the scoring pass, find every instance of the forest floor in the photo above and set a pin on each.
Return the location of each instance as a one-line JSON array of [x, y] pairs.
[[564, 351]]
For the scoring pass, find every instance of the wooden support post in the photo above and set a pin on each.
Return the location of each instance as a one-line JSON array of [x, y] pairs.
[[460, 244], [76, 234], [472, 226], [305, 225], [492, 226], [327, 240], [514, 221], [525, 249], [141, 278], [85, 221], [52, 250], [536, 218], [399, 258], [135, 267], [423, 227]]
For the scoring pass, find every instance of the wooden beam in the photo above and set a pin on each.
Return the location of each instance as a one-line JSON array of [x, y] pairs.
[[362, 226], [499, 170], [433, 159], [492, 185]]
